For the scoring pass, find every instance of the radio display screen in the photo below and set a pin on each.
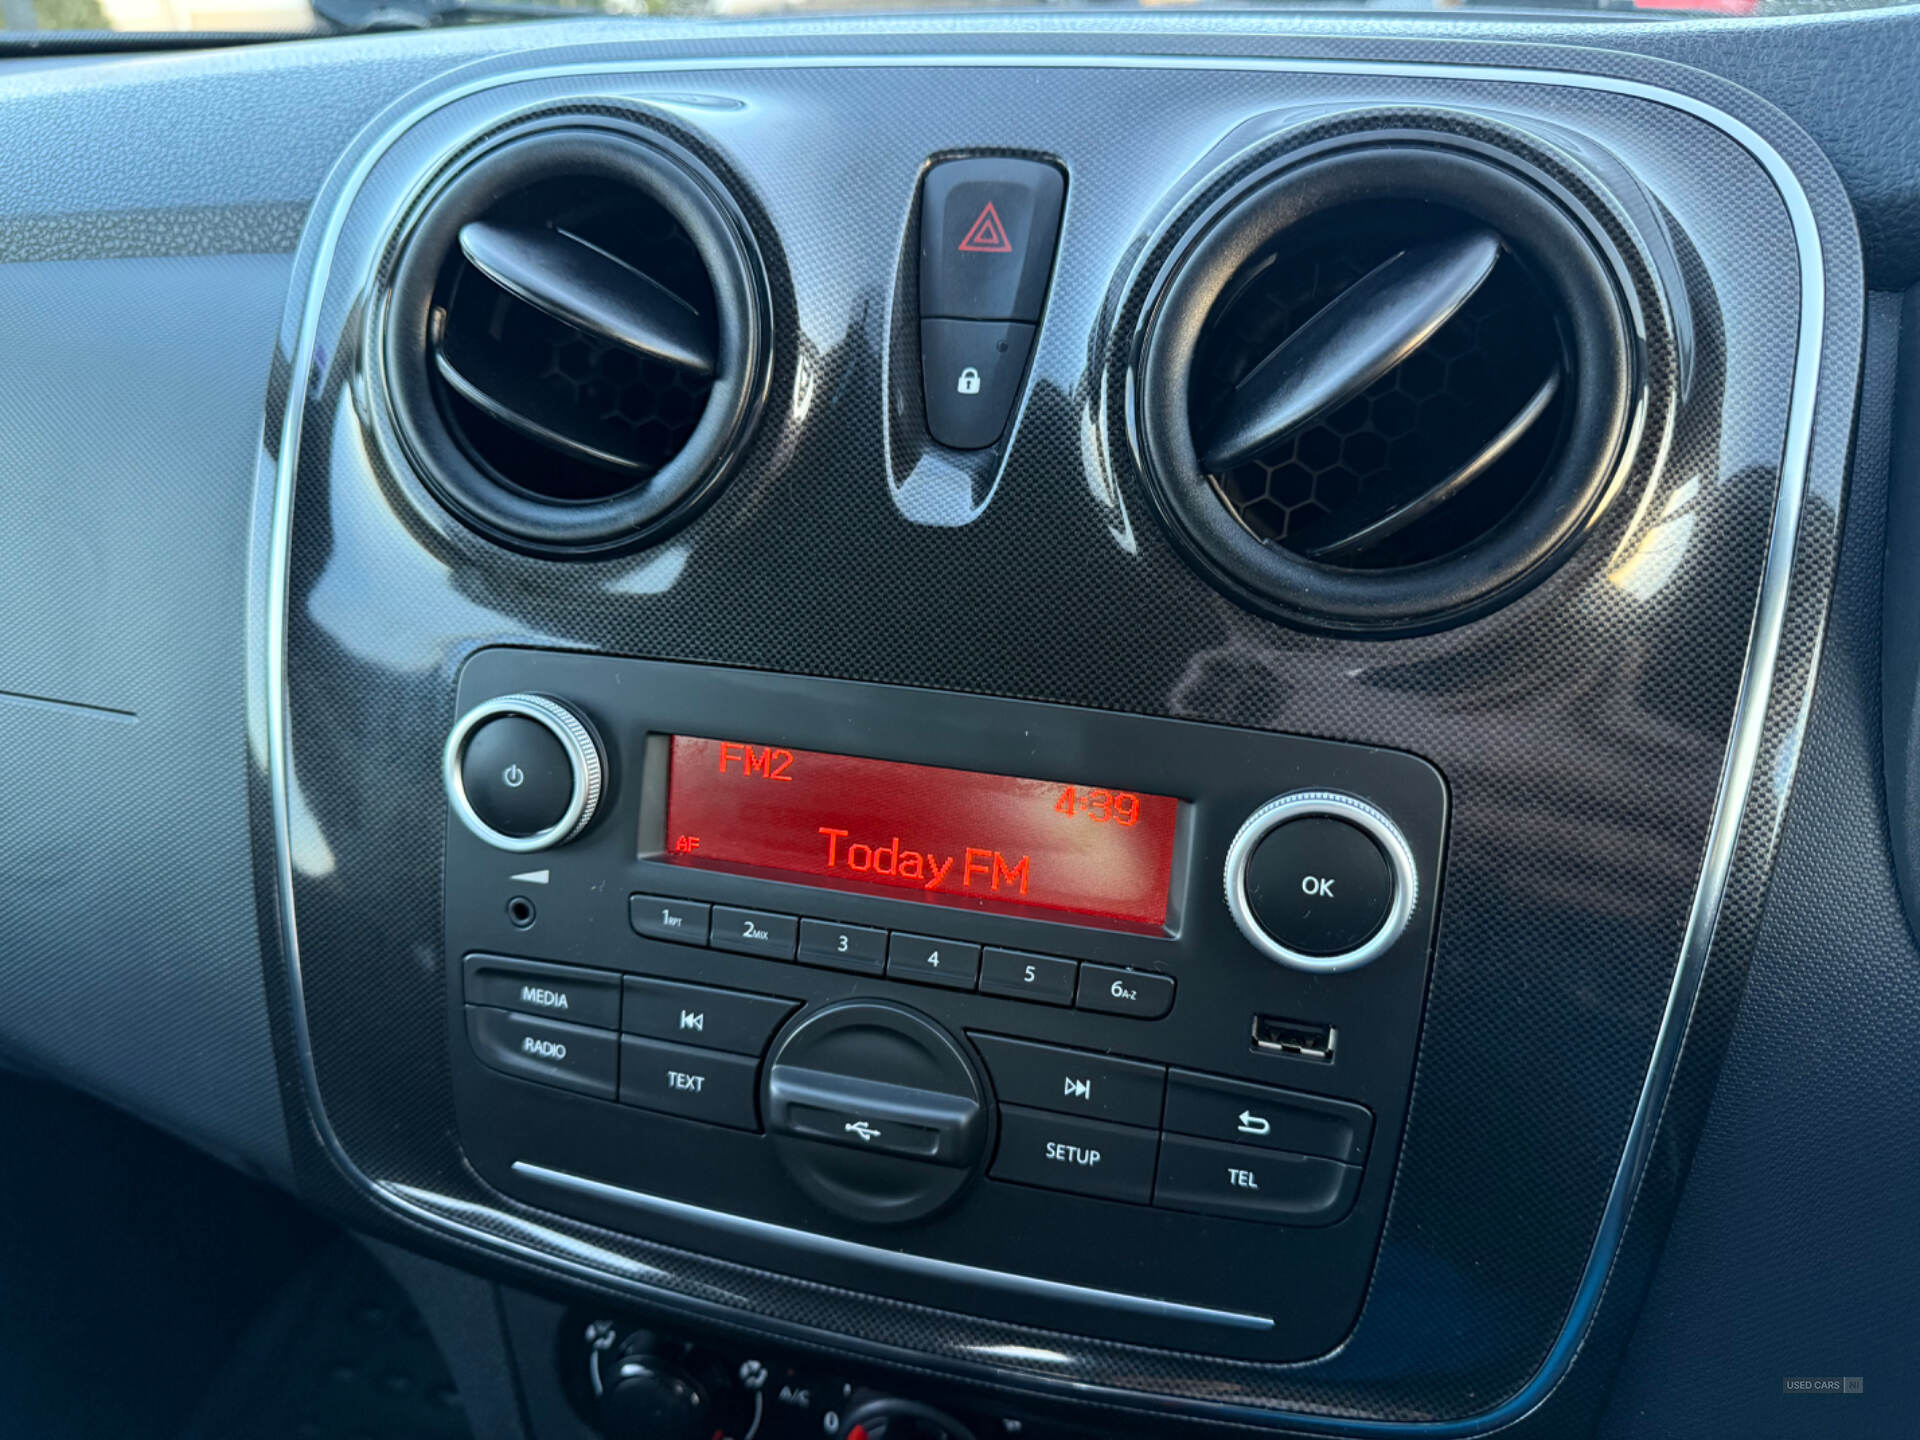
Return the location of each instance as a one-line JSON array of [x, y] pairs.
[[996, 841]]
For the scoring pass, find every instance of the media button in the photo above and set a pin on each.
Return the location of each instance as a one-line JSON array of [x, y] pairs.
[[1046, 979], [550, 1051], [1086, 1157], [693, 1084], [1074, 1082], [1249, 1184], [754, 932], [585, 997], [843, 947], [659, 917], [696, 1015], [1138, 993], [928, 960]]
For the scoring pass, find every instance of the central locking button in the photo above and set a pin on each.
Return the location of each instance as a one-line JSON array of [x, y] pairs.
[[972, 370]]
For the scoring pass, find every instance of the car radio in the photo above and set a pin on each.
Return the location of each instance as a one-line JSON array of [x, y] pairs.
[[1095, 1021]]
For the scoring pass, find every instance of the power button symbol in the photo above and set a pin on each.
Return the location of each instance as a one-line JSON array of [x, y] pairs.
[[514, 777]]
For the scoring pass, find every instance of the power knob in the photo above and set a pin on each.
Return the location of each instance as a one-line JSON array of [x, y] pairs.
[[1320, 881], [523, 772]]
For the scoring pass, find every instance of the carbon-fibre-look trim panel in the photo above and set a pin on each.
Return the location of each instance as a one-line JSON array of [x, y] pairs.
[[1585, 729]]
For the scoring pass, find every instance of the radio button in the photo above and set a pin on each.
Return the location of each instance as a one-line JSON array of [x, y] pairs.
[[1217, 1109], [659, 917], [1086, 1157], [843, 947], [1074, 1082], [695, 1015], [754, 932], [550, 1051], [1046, 979], [586, 997], [928, 960], [1113, 991], [1249, 1184], [693, 1084]]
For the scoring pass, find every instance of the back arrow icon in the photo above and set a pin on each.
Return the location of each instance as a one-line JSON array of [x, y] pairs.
[[861, 1128], [1252, 1124]]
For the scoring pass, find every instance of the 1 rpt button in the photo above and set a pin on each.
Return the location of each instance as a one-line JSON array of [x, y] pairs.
[[1319, 885]]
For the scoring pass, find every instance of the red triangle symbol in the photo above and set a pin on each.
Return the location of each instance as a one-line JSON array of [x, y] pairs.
[[988, 235]]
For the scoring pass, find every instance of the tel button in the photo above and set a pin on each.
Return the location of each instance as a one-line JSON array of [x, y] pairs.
[[1064, 1152], [694, 1084], [1138, 993], [550, 1051], [696, 1015], [1249, 1184]]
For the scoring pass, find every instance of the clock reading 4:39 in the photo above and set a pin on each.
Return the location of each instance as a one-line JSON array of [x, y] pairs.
[[1121, 807]]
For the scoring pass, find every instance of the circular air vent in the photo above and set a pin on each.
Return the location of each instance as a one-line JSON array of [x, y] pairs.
[[1385, 389], [575, 339]]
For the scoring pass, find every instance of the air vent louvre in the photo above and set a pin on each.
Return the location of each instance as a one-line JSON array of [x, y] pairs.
[[1384, 390], [575, 340]]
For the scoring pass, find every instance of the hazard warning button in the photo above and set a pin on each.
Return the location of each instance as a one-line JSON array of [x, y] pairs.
[[987, 227]]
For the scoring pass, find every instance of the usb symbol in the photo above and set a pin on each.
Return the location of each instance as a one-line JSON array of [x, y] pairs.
[[865, 1131]]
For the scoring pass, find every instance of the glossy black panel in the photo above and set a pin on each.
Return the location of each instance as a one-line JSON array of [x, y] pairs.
[[1582, 730]]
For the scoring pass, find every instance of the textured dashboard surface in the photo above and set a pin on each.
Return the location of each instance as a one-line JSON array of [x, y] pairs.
[[1581, 730], [1823, 1285]]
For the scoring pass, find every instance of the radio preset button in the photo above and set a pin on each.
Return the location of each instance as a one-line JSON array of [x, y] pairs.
[[696, 1015], [1046, 979], [1064, 1152], [585, 997], [1113, 991], [1074, 1082], [1218, 1109], [754, 932], [550, 1051], [660, 917], [929, 960], [1249, 1184], [693, 1084], [843, 947]]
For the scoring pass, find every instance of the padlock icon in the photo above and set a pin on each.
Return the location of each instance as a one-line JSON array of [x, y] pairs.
[[969, 381]]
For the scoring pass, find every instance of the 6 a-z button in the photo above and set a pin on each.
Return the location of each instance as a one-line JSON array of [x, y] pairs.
[[696, 1084], [1138, 993], [1063, 1152]]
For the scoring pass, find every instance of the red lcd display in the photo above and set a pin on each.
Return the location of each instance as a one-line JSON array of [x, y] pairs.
[[992, 840]]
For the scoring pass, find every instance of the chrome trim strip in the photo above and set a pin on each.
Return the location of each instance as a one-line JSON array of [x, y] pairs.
[[747, 1228], [1736, 774]]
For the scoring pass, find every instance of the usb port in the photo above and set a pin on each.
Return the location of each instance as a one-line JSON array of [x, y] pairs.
[[1299, 1038]]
